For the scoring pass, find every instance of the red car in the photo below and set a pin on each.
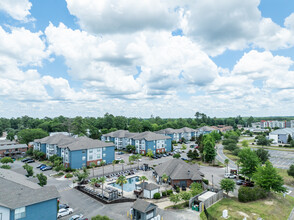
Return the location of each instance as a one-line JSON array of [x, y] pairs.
[[249, 184]]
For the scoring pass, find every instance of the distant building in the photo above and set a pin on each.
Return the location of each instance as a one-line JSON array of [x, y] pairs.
[[76, 152], [7, 142], [179, 172], [290, 124], [25, 200], [222, 128], [13, 150], [142, 141], [281, 135], [272, 124], [149, 189]]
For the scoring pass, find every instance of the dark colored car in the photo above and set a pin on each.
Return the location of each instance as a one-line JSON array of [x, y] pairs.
[[239, 182], [63, 206], [39, 166], [46, 168], [30, 161], [192, 146], [43, 166], [249, 184], [25, 160], [184, 158], [159, 156]]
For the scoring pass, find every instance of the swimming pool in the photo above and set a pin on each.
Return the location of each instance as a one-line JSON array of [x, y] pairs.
[[129, 186]]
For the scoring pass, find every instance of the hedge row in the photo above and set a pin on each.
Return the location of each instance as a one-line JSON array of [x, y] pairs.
[[248, 194]]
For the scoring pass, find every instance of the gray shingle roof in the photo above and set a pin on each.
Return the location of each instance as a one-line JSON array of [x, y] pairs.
[[143, 206], [19, 191], [178, 169], [14, 146], [120, 134], [176, 131], [7, 142], [148, 186], [85, 143], [150, 136], [283, 131], [207, 128]]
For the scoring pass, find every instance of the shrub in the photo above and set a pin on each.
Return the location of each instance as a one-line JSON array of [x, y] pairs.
[[156, 196], [229, 141], [68, 169], [69, 175], [248, 194], [163, 193], [236, 151], [177, 189], [6, 167], [205, 181], [60, 173], [231, 147], [169, 192], [59, 167]]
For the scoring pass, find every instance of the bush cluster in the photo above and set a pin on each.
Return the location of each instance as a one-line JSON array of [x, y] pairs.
[[164, 193], [156, 196], [169, 192], [205, 181], [5, 166], [69, 175], [248, 194]]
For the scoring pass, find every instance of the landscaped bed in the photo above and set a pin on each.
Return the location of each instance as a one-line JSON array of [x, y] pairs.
[[230, 155], [275, 206]]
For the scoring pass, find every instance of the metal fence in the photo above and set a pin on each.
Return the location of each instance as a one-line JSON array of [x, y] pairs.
[[208, 202]]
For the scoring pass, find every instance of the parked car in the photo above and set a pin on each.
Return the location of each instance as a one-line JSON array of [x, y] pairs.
[[159, 155], [184, 158], [25, 160], [230, 176], [39, 166], [118, 158], [164, 155], [64, 212], [46, 168], [43, 166], [63, 206], [76, 217], [192, 146], [30, 161], [248, 183], [120, 153], [240, 182]]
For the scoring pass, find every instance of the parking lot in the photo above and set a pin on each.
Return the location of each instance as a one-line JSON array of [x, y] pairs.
[[281, 159]]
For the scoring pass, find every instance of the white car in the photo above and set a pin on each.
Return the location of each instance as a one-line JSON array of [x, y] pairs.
[[230, 176], [64, 212], [76, 217]]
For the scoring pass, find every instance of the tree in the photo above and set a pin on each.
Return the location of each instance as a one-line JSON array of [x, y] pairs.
[[149, 153], [238, 167], [130, 148], [261, 140], [122, 164], [227, 164], [138, 158], [209, 151], [228, 185], [185, 196], [93, 182], [184, 147], [196, 188], [263, 155], [27, 135], [121, 180], [216, 135], [289, 139], [268, 178], [193, 155], [93, 165], [290, 171], [6, 160], [113, 164], [142, 179], [10, 136], [135, 125], [42, 179], [177, 155], [100, 217], [102, 180], [244, 143], [165, 178], [103, 163], [249, 162], [81, 175], [29, 169], [175, 198]]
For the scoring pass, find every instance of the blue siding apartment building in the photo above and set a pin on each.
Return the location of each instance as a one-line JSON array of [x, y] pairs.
[[25, 200], [142, 141], [76, 152]]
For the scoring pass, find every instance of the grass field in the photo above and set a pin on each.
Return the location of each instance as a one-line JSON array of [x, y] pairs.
[[288, 180], [230, 155], [274, 208]]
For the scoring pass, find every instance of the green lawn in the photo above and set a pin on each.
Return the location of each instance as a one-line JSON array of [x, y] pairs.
[[277, 207], [288, 180], [230, 155]]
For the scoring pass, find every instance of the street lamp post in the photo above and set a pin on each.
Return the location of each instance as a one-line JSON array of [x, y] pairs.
[[212, 181]]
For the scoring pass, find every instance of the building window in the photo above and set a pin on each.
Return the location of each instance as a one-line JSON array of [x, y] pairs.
[[83, 158], [0, 216], [20, 213], [83, 151], [104, 148], [91, 157], [104, 155], [91, 151]]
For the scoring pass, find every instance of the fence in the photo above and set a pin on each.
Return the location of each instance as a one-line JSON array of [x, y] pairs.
[[208, 202]]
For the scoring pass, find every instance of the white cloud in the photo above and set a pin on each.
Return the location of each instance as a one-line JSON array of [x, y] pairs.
[[111, 16], [17, 9]]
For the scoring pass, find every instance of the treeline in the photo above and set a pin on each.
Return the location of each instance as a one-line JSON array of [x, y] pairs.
[[94, 127]]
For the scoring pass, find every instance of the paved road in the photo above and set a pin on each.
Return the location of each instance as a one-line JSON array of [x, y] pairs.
[[221, 157]]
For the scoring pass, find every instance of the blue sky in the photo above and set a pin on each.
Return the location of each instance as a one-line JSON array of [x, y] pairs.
[[137, 58]]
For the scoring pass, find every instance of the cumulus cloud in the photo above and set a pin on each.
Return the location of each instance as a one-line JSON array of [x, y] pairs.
[[17, 9], [111, 16]]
